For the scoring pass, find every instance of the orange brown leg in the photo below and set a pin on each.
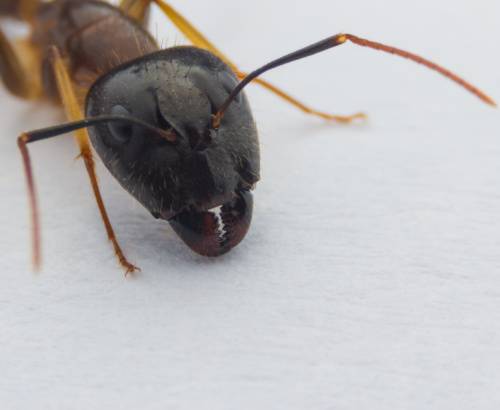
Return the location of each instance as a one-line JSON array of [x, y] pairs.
[[73, 112], [139, 8]]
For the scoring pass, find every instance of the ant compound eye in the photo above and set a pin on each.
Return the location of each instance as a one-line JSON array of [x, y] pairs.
[[121, 132]]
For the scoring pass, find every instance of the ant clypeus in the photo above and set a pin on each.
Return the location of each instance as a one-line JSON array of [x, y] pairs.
[[173, 125]]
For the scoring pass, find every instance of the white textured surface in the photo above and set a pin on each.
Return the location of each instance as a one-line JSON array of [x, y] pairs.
[[370, 278]]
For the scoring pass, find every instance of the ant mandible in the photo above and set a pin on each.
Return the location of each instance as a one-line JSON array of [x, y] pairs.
[[173, 126]]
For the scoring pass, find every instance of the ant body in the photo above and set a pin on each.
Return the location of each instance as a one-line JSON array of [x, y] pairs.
[[173, 126]]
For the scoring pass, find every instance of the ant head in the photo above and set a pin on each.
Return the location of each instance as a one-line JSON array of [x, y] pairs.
[[200, 178]]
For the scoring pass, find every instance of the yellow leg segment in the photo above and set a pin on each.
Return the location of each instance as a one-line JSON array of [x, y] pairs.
[[73, 112], [136, 9], [16, 68]]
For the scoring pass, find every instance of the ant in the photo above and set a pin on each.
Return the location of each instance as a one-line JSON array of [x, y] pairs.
[[173, 126]]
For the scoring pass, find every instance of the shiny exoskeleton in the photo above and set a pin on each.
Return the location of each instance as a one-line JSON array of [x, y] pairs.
[[173, 126]]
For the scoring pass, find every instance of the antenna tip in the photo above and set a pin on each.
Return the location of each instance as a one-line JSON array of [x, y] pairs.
[[488, 100], [37, 265]]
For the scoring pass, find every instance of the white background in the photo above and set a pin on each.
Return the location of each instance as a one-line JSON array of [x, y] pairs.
[[370, 278]]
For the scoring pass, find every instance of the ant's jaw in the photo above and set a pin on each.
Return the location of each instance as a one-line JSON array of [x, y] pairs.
[[216, 231]]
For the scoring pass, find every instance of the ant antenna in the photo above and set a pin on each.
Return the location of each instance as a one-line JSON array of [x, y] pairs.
[[334, 41], [46, 133]]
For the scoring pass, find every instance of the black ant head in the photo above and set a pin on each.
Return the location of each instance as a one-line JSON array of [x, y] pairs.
[[195, 176]]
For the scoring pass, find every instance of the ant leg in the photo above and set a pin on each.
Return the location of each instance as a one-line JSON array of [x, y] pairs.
[[136, 9], [343, 119], [15, 63], [73, 112], [199, 40]]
